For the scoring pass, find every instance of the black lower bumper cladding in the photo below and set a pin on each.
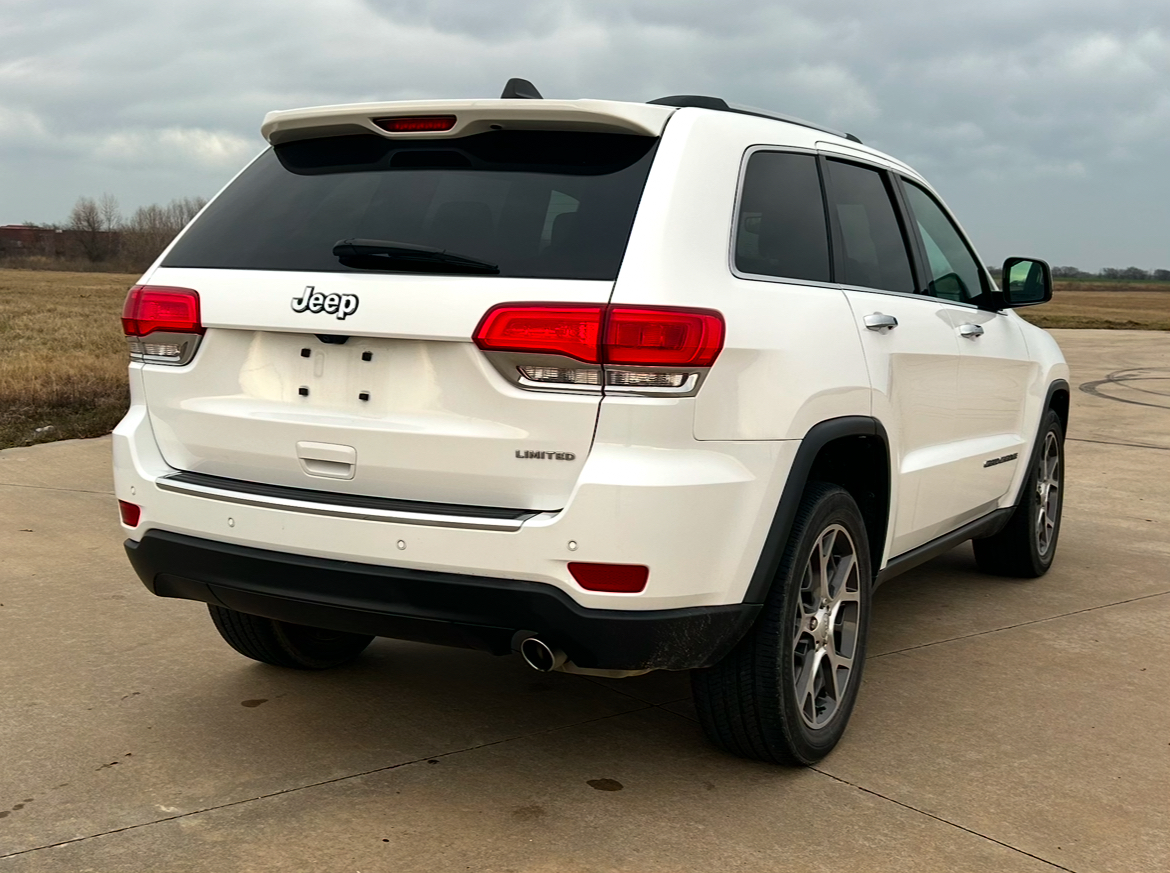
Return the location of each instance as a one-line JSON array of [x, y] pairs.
[[443, 608]]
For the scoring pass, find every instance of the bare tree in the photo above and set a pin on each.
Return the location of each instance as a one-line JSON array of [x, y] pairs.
[[110, 213], [85, 220], [151, 228], [186, 208]]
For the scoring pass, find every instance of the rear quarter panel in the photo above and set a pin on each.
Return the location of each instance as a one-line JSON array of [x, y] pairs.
[[792, 355]]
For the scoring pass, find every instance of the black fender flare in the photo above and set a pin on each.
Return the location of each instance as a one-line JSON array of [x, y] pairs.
[[1034, 455], [776, 541]]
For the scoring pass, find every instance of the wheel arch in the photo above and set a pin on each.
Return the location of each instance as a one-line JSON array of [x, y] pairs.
[[1056, 399], [852, 452]]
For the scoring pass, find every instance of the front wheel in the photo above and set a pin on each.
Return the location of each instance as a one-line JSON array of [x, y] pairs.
[[1027, 544], [785, 693], [283, 644]]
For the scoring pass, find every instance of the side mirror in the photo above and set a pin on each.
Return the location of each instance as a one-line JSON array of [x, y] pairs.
[[1026, 282]]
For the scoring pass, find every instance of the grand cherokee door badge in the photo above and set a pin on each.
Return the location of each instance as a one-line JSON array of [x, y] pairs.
[[312, 300], [1002, 460], [547, 456]]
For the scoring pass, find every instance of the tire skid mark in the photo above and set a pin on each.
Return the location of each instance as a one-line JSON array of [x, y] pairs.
[[1123, 381]]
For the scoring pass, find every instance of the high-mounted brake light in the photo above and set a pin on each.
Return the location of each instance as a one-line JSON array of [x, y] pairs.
[[416, 124], [152, 307]]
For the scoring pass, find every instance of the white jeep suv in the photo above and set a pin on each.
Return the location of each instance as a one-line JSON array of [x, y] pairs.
[[617, 386]]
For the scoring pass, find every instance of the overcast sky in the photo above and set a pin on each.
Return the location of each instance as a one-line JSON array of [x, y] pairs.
[[1045, 124]]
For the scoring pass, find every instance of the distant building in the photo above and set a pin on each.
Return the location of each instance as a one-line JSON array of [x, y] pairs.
[[23, 241]]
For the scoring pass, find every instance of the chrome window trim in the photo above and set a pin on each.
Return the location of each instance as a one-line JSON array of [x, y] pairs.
[[743, 164], [858, 159], [912, 295]]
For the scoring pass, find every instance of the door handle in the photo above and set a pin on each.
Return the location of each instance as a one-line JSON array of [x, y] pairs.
[[879, 322], [328, 460], [971, 331]]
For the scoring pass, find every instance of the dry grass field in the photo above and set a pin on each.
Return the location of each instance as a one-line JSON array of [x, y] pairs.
[[1116, 305], [63, 357]]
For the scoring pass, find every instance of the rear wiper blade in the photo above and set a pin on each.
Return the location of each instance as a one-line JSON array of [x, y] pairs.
[[380, 254]]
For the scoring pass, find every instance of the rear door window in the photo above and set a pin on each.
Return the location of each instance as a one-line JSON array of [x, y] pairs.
[[537, 203], [874, 252], [781, 228]]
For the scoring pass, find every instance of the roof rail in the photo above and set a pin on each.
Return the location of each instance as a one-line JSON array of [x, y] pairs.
[[718, 103]]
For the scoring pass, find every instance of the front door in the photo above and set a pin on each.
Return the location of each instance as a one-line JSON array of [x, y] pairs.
[[994, 368]]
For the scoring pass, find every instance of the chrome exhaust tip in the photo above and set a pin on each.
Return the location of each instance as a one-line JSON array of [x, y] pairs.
[[541, 656]]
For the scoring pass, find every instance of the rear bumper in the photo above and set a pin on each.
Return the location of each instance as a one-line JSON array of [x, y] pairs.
[[696, 514], [444, 608]]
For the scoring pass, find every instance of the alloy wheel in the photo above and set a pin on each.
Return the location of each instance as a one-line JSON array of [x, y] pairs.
[[1047, 493], [827, 626]]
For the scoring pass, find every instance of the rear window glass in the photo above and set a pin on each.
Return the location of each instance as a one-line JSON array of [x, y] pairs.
[[537, 203], [781, 228]]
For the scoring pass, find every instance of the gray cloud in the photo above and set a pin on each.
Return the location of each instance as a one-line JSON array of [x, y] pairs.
[[1043, 122]]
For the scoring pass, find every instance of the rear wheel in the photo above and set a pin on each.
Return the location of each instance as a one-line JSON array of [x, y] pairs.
[[785, 693], [286, 645], [1027, 544]]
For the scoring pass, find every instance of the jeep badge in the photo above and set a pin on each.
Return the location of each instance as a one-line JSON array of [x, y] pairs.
[[311, 300]]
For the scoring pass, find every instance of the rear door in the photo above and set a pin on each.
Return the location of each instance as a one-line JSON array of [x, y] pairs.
[[358, 374], [910, 347]]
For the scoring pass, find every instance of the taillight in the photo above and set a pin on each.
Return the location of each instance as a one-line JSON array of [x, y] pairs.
[[169, 317], [131, 513], [557, 329], [657, 337], [631, 349], [617, 578], [152, 307], [416, 124]]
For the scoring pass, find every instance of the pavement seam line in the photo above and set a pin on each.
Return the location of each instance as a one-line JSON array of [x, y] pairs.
[[1021, 624], [51, 488], [1111, 443], [296, 788], [942, 820]]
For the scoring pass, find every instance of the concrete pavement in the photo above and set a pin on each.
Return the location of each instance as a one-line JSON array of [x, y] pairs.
[[1003, 725]]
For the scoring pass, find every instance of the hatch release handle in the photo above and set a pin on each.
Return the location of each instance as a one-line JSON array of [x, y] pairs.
[[327, 460]]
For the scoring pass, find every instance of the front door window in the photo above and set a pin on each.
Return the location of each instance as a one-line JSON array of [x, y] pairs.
[[955, 275]]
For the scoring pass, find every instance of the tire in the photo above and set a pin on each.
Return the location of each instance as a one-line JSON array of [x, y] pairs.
[[775, 696], [1026, 545], [286, 645]]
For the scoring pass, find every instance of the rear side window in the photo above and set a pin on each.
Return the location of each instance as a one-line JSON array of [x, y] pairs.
[[781, 228], [537, 203], [874, 253]]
